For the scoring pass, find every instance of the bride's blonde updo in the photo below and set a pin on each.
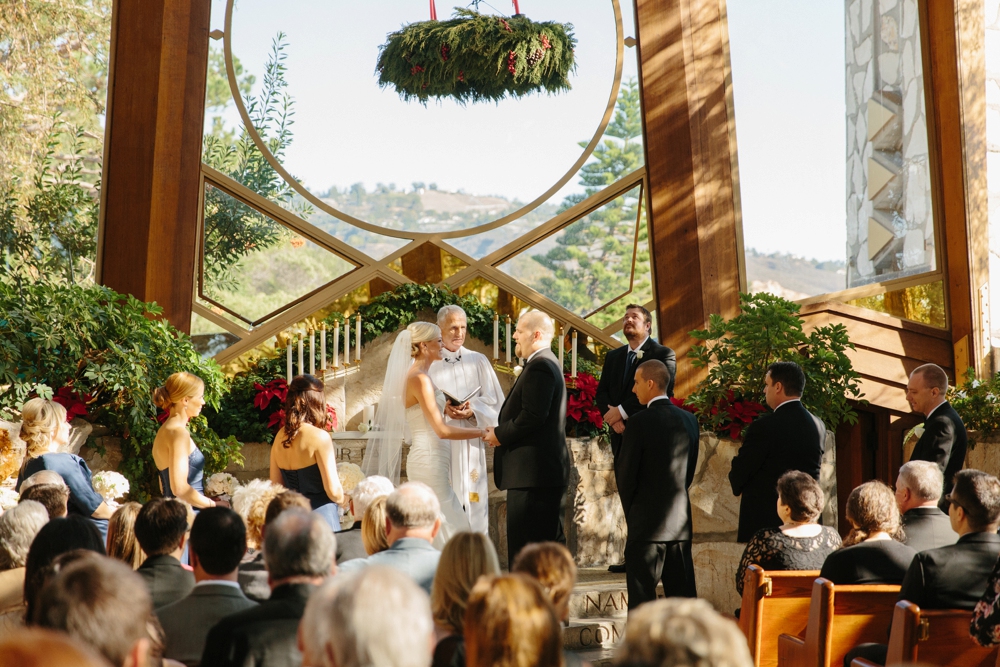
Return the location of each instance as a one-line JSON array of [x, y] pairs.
[[177, 387], [421, 332], [40, 422]]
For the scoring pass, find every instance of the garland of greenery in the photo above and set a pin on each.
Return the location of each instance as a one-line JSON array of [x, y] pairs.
[[476, 57]]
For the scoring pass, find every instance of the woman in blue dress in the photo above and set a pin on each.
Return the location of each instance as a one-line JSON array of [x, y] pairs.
[[302, 456], [44, 429], [178, 460]]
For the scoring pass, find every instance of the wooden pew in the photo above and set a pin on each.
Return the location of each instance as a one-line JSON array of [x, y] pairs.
[[774, 602], [840, 618], [933, 637]]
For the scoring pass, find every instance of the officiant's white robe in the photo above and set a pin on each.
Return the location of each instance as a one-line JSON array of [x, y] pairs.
[[458, 373]]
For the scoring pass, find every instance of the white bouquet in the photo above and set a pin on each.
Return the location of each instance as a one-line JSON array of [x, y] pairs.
[[350, 474], [221, 484], [111, 485], [8, 498]]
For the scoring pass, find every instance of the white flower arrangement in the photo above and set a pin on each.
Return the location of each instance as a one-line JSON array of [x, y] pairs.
[[350, 474], [110, 485], [8, 498], [221, 484], [363, 427], [517, 370]]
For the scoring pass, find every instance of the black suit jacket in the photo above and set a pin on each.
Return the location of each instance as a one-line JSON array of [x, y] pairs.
[[943, 442], [264, 635], [532, 429], [654, 469], [928, 528], [166, 579], [615, 385], [790, 438], [952, 577]]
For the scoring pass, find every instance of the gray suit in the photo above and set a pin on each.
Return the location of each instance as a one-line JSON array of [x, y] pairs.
[[186, 622], [410, 555]]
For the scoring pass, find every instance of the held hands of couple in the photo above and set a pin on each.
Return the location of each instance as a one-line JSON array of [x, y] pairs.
[[490, 437]]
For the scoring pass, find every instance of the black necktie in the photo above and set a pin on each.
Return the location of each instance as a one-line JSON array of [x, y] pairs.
[[628, 364]]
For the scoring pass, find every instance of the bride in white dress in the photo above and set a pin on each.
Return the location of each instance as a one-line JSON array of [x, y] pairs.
[[410, 399]]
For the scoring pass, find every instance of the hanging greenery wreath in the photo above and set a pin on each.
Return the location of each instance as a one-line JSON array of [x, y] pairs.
[[477, 57]]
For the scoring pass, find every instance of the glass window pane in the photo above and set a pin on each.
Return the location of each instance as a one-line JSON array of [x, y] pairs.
[[923, 303]]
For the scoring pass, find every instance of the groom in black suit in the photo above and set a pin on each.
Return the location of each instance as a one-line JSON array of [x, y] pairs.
[[531, 461], [944, 440], [614, 391], [654, 469]]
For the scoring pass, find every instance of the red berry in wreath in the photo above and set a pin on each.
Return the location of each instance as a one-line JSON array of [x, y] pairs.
[[445, 51], [512, 62], [506, 26], [545, 41], [416, 69]]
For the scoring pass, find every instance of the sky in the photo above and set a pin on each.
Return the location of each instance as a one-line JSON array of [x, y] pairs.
[[788, 73]]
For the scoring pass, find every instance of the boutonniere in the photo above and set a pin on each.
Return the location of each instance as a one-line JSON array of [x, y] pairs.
[[517, 370], [638, 355]]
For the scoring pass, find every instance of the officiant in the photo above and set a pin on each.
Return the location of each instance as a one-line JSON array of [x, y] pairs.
[[459, 373]]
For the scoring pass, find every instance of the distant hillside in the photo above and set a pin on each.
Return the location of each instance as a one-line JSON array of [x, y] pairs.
[[793, 277]]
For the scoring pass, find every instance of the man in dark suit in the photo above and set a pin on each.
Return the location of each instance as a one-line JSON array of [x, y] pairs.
[[218, 542], [614, 390], [790, 438], [299, 552], [654, 469], [531, 461], [955, 576], [918, 490], [160, 528], [944, 439]]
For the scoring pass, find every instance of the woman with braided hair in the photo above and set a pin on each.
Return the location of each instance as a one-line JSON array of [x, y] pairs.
[[302, 456]]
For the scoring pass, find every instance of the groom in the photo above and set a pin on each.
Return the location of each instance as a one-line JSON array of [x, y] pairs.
[[531, 461]]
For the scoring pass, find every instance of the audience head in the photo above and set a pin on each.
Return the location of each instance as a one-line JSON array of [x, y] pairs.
[[509, 622], [35, 647], [304, 404], [18, 527], [638, 322], [534, 331], [368, 490], [425, 339], [413, 510], [284, 501], [452, 321], [43, 426], [160, 526], [871, 508], [298, 544], [919, 483], [681, 632], [784, 380], [373, 533], [56, 538], [396, 632], [801, 495], [250, 501], [466, 557], [122, 542], [975, 502], [926, 388], [54, 496], [552, 566], [182, 393], [102, 603], [651, 380], [218, 542]]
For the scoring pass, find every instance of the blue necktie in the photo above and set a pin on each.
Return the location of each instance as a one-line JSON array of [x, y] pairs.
[[628, 364]]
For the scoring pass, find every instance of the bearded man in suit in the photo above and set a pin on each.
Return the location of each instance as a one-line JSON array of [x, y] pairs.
[[531, 461], [944, 440]]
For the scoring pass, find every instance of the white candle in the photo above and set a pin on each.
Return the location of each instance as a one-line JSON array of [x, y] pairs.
[[508, 339], [288, 349], [369, 415], [496, 337], [562, 343], [322, 348], [312, 352], [336, 344], [302, 364], [347, 342], [357, 342], [573, 362]]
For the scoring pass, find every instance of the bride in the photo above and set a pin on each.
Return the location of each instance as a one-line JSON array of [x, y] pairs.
[[409, 398]]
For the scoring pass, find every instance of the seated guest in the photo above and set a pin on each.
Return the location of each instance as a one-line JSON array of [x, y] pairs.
[[678, 632], [218, 542], [44, 648], [413, 517], [800, 543], [252, 575], [102, 603], [396, 631], [44, 429], [552, 566], [350, 544], [509, 622], [18, 527], [466, 557], [57, 537], [122, 543], [955, 576], [872, 552], [299, 551], [373, 536], [918, 492], [160, 528], [48, 488]]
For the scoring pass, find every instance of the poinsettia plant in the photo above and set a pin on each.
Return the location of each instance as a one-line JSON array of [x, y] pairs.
[[583, 417], [270, 399], [73, 401]]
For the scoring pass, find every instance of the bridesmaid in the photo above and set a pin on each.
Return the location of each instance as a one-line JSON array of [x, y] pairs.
[[302, 456], [179, 461]]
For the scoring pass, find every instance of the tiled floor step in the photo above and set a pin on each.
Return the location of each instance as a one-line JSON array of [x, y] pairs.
[[601, 657], [593, 633]]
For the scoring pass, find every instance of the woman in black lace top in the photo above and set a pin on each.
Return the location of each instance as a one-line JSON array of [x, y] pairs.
[[800, 543]]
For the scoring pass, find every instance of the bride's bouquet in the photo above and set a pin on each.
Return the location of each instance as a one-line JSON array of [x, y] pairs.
[[221, 485], [8, 498], [111, 486]]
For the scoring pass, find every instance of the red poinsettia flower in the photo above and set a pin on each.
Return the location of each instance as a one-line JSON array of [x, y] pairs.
[[277, 420], [275, 389], [76, 405], [331, 418]]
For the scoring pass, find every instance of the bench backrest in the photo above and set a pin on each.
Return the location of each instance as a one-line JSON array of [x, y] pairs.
[[935, 637], [774, 602], [841, 617]]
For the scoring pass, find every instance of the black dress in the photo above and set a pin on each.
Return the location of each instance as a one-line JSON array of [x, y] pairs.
[[876, 562], [772, 549]]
